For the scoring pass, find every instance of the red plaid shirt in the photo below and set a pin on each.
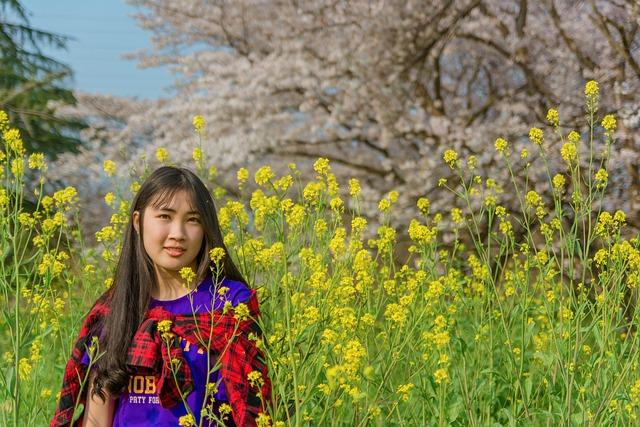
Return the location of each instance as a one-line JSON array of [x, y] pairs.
[[228, 337]]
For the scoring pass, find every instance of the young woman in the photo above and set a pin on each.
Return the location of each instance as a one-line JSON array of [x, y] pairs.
[[154, 351]]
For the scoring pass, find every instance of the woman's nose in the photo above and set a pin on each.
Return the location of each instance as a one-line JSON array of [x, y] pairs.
[[177, 230]]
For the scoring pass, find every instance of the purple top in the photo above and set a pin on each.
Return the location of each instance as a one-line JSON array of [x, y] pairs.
[[139, 405]]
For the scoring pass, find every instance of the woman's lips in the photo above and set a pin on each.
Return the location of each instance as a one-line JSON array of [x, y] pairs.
[[174, 252]]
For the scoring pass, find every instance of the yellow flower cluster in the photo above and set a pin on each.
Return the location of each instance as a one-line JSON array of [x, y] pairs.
[[387, 237], [553, 117], [162, 155], [13, 141], [230, 211], [423, 205], [536, 136], [263, 207], [421, 234], [321, 166], [601, 179], [404, 390], [569, 152], [591, 90], [53, 263], [501, 146], [198, 124], [609, 123], [242, 176], [385, 204], [451, 158], [312, 192], [354, 187], [534, 200], [109, 167], [187, 274], [187, 421], [197, 154], [36, 161], [216, 255], [558, 182], [241, 312], [609, 225], [264, 175]]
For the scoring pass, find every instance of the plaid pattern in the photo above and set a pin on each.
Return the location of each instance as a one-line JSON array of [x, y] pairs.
[[75, 371], [229, 339]]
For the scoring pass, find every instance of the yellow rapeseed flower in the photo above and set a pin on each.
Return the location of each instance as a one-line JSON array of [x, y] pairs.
[[384, 205], [164, 326], [295, 215], [197, 154], [241, 312], [601, 178], [45, 393], [255, 379], [456, 215], [283, 183], [501, 145], [225, 408], [109, 167], [320, 227], [187, 274], [553, 117], [65, 196], [13, 139], [321, 166], [264, 175], [24, 368], [558, 182], [198, 123], [403, 391], [242, 175], [573, 136], [423, 205], [4, 120], [109, 198], [263, 420], [354, 187], [609, 123], [591, 89], [451, 158], [187, 420], [17, 167], [536, 136], [441, 376], [569, 152], [396, 313], [216, 255], [336, 204], [358, 224], [162, 154], [533, 199], [36, 161]]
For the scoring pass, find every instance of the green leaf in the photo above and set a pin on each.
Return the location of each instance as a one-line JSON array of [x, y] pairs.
[[78, 413]]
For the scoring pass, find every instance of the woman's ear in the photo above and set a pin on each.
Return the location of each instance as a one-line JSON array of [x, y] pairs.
[[136, 221]]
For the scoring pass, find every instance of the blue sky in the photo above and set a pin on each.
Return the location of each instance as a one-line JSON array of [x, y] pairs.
[[102, 30]]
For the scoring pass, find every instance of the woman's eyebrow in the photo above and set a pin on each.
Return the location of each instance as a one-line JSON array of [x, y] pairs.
[[174, 211]]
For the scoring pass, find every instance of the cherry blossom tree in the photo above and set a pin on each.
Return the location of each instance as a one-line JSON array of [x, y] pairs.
[[381, 88]]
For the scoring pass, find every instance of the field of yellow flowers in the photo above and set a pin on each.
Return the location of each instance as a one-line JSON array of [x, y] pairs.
[[531, 323]]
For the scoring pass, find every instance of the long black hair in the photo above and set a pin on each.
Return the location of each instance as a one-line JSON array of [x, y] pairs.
[[135, 277]]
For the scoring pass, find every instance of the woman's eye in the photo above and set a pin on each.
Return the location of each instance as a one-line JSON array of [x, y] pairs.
[[163, 216], [194, 219]]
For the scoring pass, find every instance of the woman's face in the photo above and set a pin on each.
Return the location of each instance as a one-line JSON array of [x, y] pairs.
[[173, 233]]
